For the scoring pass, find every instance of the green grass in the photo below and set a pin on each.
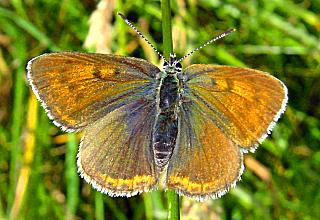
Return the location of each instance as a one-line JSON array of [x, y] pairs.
[[38, 178]]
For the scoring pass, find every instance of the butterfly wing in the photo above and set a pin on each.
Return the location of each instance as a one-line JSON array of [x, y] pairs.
[[115, 154], [244, 103], [205, 162], [112, 99], [76, 89], [225, 111]]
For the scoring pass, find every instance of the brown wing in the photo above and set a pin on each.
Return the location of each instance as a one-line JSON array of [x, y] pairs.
[[244, 103], [225, 111], [115, 154], [76, 89], [112, 98], [205, 163]]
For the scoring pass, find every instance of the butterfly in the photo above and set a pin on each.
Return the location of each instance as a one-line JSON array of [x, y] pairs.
[[189, 127]]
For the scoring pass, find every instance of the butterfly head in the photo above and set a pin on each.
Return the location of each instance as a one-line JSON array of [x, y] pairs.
[[173, 66]]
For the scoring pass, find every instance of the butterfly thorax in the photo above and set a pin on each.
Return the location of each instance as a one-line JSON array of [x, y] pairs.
[[166, 125]]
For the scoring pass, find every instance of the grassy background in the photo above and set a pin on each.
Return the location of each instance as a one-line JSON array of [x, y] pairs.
[[38, 178]]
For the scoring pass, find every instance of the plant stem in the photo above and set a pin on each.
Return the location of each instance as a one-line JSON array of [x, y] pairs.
[[166, 28], [173, 198], [72, 177]]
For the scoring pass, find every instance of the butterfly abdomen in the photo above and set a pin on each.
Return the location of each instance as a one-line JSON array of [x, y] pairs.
[[166, 125]]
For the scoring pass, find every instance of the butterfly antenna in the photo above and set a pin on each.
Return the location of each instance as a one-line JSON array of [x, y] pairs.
[[140, 34], [207, 43]]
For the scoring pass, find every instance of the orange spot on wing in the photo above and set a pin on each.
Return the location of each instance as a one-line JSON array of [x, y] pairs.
[[135, 183], [193, 188]]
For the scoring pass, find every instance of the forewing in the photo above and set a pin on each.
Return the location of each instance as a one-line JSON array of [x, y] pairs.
[[115, 154], [205, 162], [76, 89], [243, 103]]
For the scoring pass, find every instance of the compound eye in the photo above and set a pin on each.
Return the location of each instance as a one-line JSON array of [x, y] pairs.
[[178, 65]]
